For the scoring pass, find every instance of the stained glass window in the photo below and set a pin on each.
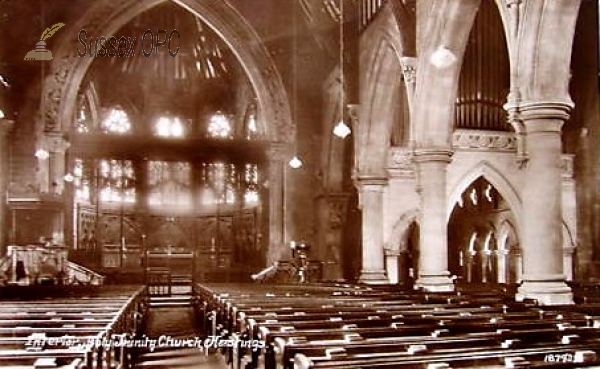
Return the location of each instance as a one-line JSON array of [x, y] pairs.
[[250, 122], [222, 182], [170, 127], [251, 184], [82, 180], [116, 122], [219, 126], [169, 183], [221, 179], [117, 181], [83, 123]]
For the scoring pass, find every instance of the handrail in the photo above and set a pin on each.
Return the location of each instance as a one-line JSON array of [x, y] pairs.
[[93, 278]]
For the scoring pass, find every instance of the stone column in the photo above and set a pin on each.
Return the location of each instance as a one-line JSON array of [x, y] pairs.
[[433, 243], [371, 202], [502, 257], [52, 168], [332, 208], [276, 248], [516, 257], [6, 126], [392, 265], [543, 277], [568, 252], [409, 71]]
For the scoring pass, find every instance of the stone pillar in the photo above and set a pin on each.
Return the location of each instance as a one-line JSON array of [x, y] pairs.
[[392, 265], [516, 256], [569, 215], [502, 257], [6, 126], [543, 277], [568, 252], [332, 208], [433, 257], [276, 222], [51, 169], [371, 202]]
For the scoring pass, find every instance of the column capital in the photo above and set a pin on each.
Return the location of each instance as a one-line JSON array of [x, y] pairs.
[[409, 68], [333, 197], [391, 252], [551, 110], [432, 154], [371, 180], [55, 142]]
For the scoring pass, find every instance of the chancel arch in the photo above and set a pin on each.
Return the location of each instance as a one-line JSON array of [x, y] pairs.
[[67, 70], [174, 160]]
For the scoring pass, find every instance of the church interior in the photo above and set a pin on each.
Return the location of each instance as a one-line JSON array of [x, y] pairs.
[[300, 184]]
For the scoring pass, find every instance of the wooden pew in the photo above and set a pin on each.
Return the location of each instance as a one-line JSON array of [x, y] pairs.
[[388, 328], [74, 332], [453, 358]]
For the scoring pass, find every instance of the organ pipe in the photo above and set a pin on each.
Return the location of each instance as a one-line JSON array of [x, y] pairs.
[[484, 80]]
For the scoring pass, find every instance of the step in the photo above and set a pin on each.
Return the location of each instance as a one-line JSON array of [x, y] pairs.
[[170, 301]]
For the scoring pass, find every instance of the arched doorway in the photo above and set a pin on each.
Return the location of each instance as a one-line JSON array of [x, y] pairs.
[[482, 243], [408, 258], [402, 255]]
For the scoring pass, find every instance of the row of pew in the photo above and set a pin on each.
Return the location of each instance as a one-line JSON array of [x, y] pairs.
[[358, 326], [92, 330]]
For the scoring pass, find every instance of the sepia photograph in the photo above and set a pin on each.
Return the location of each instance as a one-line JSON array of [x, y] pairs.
[[299, 184]]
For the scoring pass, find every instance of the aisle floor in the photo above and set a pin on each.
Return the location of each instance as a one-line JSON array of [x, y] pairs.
[[176, 323]]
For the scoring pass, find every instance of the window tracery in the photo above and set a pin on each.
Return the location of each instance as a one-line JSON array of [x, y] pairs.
[[219, 126], [116, 122], [169, 183], [116, 181], [170, 127]]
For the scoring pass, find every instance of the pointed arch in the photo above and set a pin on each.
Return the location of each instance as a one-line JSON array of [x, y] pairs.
[[400, 230], [381, 49], [107, 17], [91, 94], [545, 28], [505, 231], [510, 25], [448, 25], [486, 170]]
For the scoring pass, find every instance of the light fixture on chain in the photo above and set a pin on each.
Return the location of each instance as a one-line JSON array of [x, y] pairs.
[[69, 177], [341, 129], [295, 162], [442, 57], [42, 154], [3, 82]]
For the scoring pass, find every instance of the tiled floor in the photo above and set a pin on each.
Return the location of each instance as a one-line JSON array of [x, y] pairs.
[[176, 324]]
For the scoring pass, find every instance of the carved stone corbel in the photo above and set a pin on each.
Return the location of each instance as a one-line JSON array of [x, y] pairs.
[[515, 120]]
